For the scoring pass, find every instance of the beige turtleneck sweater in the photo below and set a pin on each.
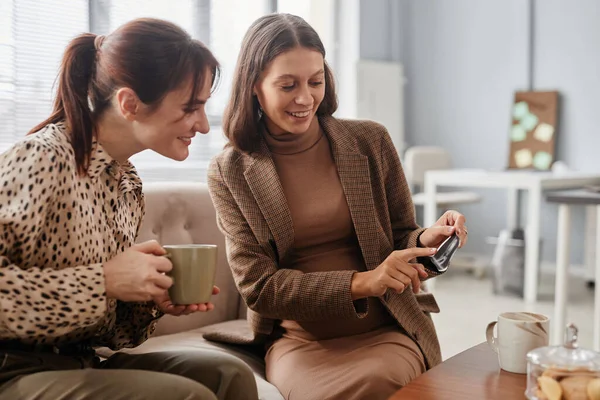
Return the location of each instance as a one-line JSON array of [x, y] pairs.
[[324, 236]]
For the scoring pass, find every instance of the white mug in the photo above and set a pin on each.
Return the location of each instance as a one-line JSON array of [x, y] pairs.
[[518, 333]]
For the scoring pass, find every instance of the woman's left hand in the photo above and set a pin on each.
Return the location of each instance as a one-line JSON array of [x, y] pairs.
[[452, 221], [165, 305]]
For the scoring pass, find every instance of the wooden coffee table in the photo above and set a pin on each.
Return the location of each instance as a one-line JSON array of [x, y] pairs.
[[473, 374]]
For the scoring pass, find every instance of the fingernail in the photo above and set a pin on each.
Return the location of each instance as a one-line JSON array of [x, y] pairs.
[[450, 229], [432, 250]]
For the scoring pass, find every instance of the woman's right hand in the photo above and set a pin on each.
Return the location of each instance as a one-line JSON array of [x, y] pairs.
[[396, 273], [137, 274]]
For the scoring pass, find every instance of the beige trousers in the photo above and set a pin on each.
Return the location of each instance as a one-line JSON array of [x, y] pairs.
[[195, 375]]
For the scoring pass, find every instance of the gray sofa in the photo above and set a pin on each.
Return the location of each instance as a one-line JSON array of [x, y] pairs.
[[178, 213]]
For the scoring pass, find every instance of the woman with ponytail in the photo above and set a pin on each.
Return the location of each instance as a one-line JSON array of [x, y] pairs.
[[71, 278]]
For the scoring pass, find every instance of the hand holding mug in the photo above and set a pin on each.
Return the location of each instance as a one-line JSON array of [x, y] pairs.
[[138, 273], [165, 304]]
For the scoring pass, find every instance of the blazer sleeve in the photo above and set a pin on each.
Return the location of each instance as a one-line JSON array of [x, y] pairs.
[[402, 210], [274, 292]]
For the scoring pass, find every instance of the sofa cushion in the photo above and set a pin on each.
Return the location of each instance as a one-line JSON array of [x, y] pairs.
[[236, 332]]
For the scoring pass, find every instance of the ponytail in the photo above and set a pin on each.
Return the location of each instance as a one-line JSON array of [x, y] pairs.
[[71, 103]]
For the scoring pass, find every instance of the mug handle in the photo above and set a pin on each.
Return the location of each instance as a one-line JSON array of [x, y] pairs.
[[489, 334]]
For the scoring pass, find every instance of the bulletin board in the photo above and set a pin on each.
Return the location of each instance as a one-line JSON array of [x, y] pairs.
[[533, 130]]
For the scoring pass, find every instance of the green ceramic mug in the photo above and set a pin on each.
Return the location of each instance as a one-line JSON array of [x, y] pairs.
[[193, 273]]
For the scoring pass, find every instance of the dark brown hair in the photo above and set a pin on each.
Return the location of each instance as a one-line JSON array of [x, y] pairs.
[[268, 37], [150, 56]]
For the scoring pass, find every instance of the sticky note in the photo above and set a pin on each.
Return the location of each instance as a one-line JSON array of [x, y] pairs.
[[523, 158], [520, 110], [542, 160], [544, 132], [529, 121], [517, 133]]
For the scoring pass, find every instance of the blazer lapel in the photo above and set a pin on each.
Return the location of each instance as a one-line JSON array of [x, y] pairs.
[[266, 188], [354, 173]]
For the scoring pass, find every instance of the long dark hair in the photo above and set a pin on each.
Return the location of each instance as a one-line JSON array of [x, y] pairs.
[[268, 37], [150, 56]]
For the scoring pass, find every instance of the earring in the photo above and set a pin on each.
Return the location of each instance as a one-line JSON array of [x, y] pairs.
[[260, 110]]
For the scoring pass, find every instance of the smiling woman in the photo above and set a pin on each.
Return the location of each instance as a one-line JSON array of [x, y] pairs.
[[320, 228], [71, 204]]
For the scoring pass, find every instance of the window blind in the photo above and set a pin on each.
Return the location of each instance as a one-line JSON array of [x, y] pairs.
[[33, 35]]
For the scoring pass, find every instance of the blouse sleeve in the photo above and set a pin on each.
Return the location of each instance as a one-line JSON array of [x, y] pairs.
[[135, 321], [35, 300]]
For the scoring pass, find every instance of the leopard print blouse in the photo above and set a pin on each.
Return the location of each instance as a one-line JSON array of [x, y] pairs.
[[56, 229]]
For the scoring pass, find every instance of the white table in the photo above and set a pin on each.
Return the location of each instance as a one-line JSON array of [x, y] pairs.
[[533, 182], [566, 199]]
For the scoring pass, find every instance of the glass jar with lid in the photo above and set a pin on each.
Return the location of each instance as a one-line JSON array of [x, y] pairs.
[[564, 372]]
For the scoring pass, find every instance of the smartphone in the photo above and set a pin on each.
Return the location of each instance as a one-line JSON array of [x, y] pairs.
[[441, 259]]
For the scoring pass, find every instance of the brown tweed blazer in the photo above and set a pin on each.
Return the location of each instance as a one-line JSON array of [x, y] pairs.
[[253, 215]]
